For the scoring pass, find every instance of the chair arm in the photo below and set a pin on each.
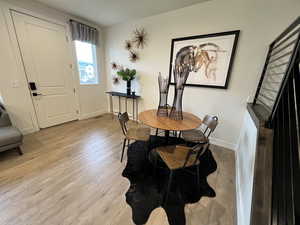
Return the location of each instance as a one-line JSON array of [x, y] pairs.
[[4, 119]]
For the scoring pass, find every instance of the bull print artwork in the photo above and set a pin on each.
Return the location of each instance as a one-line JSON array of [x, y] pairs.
[[204, 61]]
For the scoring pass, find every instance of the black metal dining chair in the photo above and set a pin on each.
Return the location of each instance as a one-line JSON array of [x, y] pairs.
[[178, 157], [198, 136], [136, 132]]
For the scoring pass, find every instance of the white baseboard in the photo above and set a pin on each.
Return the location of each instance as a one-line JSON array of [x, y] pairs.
[[30, 130], [222, 143], [92, 114], [129, 114]]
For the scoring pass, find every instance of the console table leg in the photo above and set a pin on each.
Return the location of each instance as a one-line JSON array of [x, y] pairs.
[[133, 116], [111, 106], [120, 96], [120, 110], [125, 104], [137, 109]]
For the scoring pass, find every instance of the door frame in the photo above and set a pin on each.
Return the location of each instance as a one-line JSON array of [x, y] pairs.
[[7, 9]]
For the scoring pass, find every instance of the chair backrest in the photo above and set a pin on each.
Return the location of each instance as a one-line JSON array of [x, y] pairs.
[[197, 150], [210, 123], [123, 119], [4, 117]]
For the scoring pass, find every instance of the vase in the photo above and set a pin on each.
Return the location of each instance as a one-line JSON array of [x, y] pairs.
[[129, 87], [176, 110], [180, 80], [163, 96]]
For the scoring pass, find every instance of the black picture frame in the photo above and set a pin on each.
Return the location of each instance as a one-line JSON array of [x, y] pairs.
[[236, 34]]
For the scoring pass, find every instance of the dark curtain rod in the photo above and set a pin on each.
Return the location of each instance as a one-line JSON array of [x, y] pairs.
[[71, 20]]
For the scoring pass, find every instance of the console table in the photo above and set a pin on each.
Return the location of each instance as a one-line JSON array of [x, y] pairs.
[[120, 95]]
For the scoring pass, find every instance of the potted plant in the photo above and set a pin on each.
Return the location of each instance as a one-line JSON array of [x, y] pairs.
[[127, 75]]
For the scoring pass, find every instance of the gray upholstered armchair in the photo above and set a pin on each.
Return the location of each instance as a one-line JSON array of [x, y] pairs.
[[10, 137]]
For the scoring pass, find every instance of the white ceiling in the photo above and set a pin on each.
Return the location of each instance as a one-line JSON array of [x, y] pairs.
[[109, 12]]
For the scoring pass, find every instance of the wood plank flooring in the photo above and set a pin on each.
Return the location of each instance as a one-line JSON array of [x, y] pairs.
[[71, 175]]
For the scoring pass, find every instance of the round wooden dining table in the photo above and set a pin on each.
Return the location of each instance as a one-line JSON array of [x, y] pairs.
[[150, 118]]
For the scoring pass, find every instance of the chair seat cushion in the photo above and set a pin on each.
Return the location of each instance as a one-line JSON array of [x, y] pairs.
[[9, 135], [138, 133], [175, 156], [196, 136]]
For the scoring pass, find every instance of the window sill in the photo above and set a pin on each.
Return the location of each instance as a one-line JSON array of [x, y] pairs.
[[87, 85]]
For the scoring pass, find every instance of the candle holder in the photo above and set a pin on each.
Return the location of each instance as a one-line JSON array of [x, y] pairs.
[[163, 96]]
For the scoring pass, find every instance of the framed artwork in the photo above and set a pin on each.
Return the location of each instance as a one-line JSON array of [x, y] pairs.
[[211, 58]]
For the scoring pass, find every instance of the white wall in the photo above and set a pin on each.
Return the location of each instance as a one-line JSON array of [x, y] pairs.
[[92, 99], [245, 160], [259, 21]]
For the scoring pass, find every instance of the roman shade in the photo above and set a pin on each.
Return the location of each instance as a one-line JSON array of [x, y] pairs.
[[83, 32]]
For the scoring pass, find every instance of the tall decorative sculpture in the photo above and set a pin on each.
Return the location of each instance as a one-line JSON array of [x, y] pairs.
[[184, 64], [163, 96]]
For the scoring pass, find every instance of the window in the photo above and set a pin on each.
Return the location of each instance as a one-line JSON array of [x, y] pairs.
[[87, 62]]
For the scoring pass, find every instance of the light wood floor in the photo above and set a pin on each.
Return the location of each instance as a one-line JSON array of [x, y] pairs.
[[71, 175]]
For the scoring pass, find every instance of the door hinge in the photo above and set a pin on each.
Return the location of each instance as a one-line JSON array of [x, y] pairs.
[[74, 90], [67, 38], [71, 65], [77, 111]]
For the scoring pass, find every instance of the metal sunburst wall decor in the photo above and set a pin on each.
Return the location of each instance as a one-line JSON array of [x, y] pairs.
[[138, 42], [115, 80], [133, 56], [114, 66], [140, 38], [128, 45]]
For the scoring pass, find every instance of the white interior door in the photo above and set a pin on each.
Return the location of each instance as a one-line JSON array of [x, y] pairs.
[[47, 61]]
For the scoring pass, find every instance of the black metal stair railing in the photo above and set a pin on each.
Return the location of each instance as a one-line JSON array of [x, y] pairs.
[[280, 60], [286, 179], [279, 93]]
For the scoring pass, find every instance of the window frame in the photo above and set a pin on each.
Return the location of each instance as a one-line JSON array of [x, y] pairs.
[[96, 66]]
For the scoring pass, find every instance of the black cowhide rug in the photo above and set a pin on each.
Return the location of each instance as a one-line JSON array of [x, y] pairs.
[[148, 186]]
